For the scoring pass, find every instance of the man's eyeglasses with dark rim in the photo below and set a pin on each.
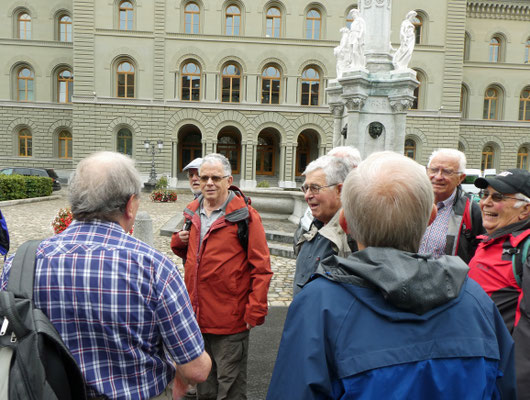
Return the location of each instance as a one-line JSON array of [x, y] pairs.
[[315, 189], [496, 196], [214, 178]]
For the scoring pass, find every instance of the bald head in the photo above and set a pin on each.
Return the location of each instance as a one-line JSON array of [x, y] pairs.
[[101, 186], [387, 202]]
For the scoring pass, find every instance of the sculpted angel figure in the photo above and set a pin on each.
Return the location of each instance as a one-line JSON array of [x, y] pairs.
[[356, 39], [342, 52], [403, 55]]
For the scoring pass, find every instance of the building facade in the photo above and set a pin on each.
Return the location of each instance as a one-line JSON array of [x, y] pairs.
[[247, 79]]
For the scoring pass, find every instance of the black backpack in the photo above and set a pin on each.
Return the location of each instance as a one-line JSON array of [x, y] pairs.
[[34, 362]]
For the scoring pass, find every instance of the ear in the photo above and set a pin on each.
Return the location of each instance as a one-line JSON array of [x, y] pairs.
[[462, 177], [434, 213], [129, 213], [342, 222], [339, 188], [230, 180], [525, 213]]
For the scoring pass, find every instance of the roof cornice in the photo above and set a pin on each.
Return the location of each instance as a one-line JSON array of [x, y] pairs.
[[511, 10]]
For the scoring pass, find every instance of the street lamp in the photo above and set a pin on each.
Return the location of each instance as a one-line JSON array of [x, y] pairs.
[[155, 148]]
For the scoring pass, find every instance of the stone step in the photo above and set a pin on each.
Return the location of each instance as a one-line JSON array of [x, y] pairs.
[[281, 249], [279, 236]]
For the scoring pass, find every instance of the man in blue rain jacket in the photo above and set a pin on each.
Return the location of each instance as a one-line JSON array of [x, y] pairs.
[[387, 323]]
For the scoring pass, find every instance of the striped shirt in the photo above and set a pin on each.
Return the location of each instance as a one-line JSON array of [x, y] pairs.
[[435, 236], [120, 306]]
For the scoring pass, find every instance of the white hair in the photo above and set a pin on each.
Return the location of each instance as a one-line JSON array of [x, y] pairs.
[[336, 169], [216, 158], [349, 153], [387, 201], [523, 200], [101, 186], [453, 153]]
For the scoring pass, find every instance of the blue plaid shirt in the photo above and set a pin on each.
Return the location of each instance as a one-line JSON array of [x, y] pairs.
[[120, 306]]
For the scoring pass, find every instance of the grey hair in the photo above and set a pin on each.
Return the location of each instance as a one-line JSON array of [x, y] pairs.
[[336, 169], [523, 200], [101, 186], [216, 158], [453, 153], [349, 153], [387, 201]]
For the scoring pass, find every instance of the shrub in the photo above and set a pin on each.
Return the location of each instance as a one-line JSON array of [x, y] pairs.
[[263, 184], [164, 196], [14, 187], [38, 186], [161, 183]]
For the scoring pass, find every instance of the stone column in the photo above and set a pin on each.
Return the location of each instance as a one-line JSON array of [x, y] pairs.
[[355, 135], [378, 17], [173, 180], [337, 110], [281, 174]]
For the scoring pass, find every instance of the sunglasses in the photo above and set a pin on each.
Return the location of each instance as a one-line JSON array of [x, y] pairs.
[[496, 197], [214, 178]]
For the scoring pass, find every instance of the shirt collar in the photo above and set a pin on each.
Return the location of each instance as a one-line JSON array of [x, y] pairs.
[[449, 201]]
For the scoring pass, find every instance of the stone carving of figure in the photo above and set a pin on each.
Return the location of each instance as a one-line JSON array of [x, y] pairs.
[[356, 39], [403, 55], [342, 52]]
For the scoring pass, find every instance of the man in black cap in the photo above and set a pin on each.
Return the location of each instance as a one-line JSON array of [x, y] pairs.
[[500, 264]]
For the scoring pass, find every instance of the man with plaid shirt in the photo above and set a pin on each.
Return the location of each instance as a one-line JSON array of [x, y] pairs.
[[119, 305]]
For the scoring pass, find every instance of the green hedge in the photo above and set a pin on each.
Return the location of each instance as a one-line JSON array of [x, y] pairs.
[[14, 187]]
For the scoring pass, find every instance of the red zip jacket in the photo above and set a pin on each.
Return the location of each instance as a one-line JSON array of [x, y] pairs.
[[492, 268], [227, 286]]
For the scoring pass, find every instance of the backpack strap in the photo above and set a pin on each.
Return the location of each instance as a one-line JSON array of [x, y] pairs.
[[242, 225], [22, 273], [519, 257]]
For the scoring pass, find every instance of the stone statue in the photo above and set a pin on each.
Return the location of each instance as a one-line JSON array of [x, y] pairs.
[[356, 41], [403, 55], [342, 52]]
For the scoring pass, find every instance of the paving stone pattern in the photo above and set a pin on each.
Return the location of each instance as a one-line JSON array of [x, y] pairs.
[[33, 221]]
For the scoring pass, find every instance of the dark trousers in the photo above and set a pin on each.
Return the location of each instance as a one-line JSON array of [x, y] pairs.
[[228, 377]]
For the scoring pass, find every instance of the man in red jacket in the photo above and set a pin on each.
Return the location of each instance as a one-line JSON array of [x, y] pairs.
[[227, 279]]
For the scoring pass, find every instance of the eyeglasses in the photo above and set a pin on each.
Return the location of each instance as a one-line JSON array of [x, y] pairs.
[[214, 178], [447, 173], [315, 189], [192, 174], [496, 197]]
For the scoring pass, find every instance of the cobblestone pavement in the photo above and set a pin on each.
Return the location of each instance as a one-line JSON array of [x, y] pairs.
[[33, 221]]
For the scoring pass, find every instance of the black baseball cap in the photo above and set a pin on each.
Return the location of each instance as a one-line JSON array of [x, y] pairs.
[[506, 182]]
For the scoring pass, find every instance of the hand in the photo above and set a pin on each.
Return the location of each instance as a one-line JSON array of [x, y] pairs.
[[184, 236], [180, 386], [249, 327]]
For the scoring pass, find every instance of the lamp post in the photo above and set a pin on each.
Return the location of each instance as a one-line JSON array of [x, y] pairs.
[[155, 148]]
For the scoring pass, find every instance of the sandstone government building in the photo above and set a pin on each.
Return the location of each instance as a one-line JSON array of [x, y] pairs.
[[247, 79]]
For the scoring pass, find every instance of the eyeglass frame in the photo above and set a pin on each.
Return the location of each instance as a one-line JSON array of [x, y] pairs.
[[214, 178], [305, 188], [496, 197], [445, 172]]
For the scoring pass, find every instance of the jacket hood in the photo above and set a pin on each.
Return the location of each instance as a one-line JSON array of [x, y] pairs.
[[414, 283]]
